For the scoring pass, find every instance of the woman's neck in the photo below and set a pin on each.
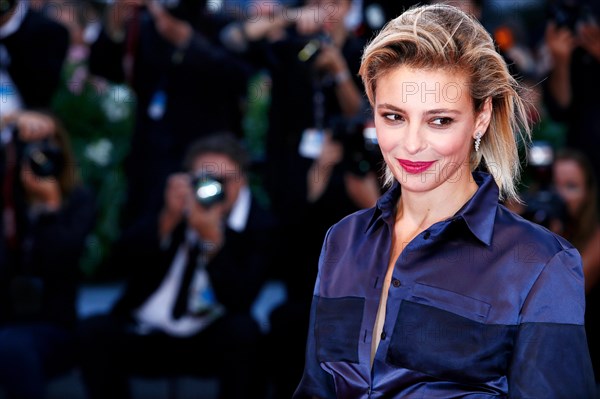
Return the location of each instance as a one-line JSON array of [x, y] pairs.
[[426, 208]]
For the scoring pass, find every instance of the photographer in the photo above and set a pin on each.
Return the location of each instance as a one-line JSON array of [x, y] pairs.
[[32, 51], [542, 203], [342, 180], [186, 85], [186, 307], [47, 215], [573, 41], [312, 59]]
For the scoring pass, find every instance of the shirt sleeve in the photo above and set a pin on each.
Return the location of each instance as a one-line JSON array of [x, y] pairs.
[[551, 357]]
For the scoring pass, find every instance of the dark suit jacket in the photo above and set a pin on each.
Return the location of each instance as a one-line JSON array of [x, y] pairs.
[[37, 51], [237, 272], [49, 253]]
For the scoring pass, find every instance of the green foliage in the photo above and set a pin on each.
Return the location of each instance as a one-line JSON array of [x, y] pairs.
[[255, 125], [99, 117]]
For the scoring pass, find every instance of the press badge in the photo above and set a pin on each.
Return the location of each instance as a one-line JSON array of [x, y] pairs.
[[311, 143], [202, 300], [158, 104]]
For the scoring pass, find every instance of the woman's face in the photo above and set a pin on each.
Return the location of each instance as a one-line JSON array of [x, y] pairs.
[[425, 126], [569, 180]]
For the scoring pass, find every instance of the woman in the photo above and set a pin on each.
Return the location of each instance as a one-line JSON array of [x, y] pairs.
[[51, 215], [439, 291]]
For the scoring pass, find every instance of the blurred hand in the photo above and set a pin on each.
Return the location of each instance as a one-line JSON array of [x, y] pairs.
[[209, 223], [178, 198], [174, 30], [320, 171], [331, 153], [561, 43], [118, 14], [588, 35], [43, 190], [31, 125], [178, 194], [363, 190], [309, 21], [330, 59]]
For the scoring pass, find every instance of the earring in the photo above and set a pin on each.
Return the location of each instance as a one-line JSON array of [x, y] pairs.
[[477, 141]]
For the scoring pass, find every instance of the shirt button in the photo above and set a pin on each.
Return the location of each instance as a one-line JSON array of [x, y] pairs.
[[426, 235], [396, 283], [383, 335]]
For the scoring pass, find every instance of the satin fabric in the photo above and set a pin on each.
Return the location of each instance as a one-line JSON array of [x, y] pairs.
[[483, 304]]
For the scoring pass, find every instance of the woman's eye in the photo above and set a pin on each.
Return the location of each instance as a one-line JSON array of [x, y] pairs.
[[441, 121], [393, 117]]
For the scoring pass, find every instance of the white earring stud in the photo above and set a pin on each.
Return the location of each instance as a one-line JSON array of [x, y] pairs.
[[477, 141]]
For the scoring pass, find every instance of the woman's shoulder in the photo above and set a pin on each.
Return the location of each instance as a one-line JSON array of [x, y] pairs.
[[352, 228], [358, 219], [512, 226]]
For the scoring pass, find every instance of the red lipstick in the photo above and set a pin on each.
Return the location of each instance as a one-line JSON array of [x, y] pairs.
[[414, 167]]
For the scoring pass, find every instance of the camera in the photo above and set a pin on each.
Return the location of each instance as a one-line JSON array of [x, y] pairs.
[[45, 158], [312, 47], [543, 204], [208, 189], [361, 150], [545, 208]]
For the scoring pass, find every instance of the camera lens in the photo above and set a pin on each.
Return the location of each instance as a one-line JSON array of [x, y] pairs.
[[208, 189], [45, 159]]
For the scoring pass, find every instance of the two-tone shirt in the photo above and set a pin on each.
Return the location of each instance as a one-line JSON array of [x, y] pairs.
[[483, 304]]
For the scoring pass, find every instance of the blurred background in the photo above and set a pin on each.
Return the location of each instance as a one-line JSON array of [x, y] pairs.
[[100, 101]]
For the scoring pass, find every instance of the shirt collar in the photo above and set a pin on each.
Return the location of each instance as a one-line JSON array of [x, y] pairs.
[[14, 22], [478, 213], [238, 217]]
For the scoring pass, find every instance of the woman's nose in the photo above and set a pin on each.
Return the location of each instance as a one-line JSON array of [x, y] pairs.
[[413, 140]]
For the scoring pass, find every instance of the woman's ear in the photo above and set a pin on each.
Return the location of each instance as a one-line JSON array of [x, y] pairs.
[[484, 116]]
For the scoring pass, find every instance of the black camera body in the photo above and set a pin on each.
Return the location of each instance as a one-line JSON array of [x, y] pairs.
[[312, 47], [208, 189], [543, 204], [45, 158], [546, 208], [361, 150]]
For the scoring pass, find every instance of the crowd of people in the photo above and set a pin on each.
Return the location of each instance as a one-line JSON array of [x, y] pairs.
[[197, 149]]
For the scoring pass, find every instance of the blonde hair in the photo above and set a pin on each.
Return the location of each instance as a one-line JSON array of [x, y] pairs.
[[443, 37]]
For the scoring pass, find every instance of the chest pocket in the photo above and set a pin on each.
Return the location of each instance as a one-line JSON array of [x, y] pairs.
[[337, 328], [443, 334]]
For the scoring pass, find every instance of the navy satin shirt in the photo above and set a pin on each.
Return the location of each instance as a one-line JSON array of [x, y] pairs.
[[483, 304]]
